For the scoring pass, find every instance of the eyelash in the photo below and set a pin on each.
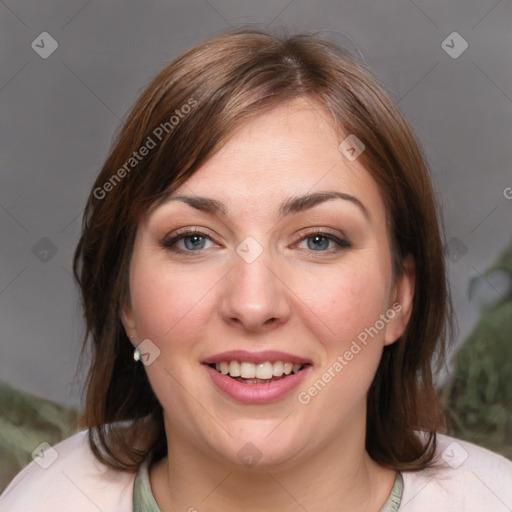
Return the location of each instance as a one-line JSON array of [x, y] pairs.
[[170, 244]]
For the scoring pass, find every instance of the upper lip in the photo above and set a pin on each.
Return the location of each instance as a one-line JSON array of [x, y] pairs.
[[256, 357]]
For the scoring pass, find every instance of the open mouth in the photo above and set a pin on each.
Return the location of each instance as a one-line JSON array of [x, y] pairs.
[[257, 373]]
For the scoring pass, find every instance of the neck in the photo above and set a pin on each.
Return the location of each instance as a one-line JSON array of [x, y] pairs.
[[339, 476]]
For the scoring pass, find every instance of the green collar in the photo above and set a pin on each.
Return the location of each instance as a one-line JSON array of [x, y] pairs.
[[144, 501]]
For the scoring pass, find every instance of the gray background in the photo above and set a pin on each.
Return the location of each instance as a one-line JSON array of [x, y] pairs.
[[59, 114]]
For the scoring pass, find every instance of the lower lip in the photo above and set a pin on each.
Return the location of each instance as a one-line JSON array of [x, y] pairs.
[[257, 393]]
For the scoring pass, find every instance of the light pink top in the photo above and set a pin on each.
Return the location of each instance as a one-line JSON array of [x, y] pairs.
[[465, 478]]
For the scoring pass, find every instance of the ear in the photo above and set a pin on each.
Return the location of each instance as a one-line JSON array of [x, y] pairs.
[[127, 318], [401, 301]]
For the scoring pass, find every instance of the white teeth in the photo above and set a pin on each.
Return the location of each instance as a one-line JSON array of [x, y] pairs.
[[248, 370], [234, 369], [278, 369], [264, 371]]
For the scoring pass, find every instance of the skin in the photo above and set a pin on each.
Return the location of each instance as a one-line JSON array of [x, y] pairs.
[[294, 297]]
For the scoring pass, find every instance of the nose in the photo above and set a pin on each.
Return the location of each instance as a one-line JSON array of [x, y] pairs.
[[255, 298]]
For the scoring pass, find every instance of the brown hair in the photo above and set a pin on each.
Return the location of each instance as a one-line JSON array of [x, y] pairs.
[[188, 112]]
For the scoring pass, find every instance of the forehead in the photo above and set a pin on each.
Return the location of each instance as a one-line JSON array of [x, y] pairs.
[[292, 150]]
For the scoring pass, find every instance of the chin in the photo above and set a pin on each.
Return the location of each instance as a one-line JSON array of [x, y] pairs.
[[276, 451]]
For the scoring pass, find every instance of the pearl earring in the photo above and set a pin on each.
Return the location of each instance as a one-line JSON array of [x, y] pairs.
[[136, 352]]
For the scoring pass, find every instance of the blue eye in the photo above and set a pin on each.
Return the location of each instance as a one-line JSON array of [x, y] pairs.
[[196, 242], [192, 241], [319, 242]]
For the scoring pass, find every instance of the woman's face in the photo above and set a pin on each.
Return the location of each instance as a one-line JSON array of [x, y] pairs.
[[273, 275]]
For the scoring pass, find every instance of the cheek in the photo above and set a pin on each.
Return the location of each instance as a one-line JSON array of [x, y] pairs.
[[346, 301], [166, 302], [170, 309], [345, 317]]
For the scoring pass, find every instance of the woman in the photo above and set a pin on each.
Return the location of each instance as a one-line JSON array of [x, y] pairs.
[[264, 292]]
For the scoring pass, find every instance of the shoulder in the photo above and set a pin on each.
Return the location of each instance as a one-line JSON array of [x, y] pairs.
[[68, 476], [464, 477]]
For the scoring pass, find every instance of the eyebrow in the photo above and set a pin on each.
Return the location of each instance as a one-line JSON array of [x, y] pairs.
[[293, 204]]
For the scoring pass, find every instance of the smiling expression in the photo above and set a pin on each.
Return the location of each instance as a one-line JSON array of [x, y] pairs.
[[275, 252]]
